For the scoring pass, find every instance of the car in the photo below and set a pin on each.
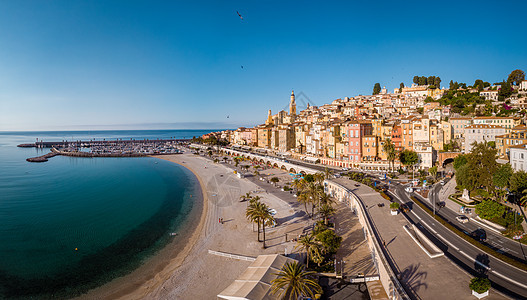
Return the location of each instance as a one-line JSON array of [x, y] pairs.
[[357, 184], [442, 182], [272, 211], [462, 219], [344, 169], [404, 207], [381, 177], [409, 189]]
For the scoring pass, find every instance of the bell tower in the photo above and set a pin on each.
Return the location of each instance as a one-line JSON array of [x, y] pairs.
[[292, 105], [269, 119]]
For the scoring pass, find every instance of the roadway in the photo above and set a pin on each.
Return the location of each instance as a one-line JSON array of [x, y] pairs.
[[504, 277]]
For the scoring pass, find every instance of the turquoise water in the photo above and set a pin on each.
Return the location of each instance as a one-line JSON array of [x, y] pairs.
[[71, 224]]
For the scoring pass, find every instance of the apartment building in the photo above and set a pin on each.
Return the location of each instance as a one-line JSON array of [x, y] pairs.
[[481, 133], [518, 159]]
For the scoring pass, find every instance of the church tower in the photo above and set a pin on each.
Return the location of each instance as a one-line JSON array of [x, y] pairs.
[[269, 119], [292, 105]]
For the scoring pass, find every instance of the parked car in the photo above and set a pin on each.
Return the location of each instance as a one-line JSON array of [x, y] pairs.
[[272, 211], [441, 204], [462, 219], [357, 184], [409, 189], [442, 182]]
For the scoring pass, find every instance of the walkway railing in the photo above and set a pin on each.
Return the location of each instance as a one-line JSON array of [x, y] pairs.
[[229, 255]]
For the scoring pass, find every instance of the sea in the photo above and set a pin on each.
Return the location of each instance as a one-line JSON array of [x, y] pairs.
[[71, 224]]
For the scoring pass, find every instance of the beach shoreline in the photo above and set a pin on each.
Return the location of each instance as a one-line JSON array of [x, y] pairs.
[[193, 272], [151, 274]]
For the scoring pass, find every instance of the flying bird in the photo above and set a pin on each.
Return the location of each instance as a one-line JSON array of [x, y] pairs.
[[242, 67], [227, 117], [239, 15]]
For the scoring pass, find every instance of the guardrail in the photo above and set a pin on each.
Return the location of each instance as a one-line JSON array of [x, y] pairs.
[[229, 255], [388, 279]]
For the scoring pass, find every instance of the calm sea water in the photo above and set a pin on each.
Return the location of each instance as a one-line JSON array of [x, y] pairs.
[[71, 224]]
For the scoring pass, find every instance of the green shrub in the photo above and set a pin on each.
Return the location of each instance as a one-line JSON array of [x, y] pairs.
[[394, 205], [479, 285]]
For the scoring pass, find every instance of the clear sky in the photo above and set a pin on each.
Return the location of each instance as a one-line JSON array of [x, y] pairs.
[[70, 65]]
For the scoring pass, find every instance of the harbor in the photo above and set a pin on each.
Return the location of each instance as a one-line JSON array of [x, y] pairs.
[[107, 148]]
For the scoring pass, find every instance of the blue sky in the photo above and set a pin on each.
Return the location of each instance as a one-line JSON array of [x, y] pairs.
[[67, 65]]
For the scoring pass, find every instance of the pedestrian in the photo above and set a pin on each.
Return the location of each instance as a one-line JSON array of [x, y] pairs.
[[219, 220], [384, 243]]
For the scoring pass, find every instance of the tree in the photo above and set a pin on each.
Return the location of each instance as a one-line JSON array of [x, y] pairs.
[[500, 179], [416, 79], [389, 149], [459, 161], [422, 80], [516, 77], [489, 209], [430, 80], [376, 88], [401, 86], [326, 211], [275, 180], [408, 158], [252, 213], [481, 164], [293, 281], [433, 171], [329, 240], [437, 82], [309, 244], [245, 197], [505, 91], [518, 182]]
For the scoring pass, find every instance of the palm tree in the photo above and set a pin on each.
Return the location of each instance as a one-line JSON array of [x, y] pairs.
[[327, 173], [267, 219], [293, 281], [326, 211], [308, 243], [304, 198], [252, 213], [391, 154], [523, 200], [245, 197]]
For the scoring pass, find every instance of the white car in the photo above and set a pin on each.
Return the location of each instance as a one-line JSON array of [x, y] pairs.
[[462, 219], [272, 211], [409, 189], [442, 182]]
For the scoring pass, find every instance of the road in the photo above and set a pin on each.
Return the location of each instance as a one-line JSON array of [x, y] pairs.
[[494, 240], [508, 279]]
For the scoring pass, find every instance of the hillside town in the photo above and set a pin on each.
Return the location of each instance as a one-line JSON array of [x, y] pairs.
[[368, 132]]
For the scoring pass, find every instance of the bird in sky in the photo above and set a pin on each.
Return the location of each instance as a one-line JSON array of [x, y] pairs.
[[239, 15], [242, 67], [227, 116]]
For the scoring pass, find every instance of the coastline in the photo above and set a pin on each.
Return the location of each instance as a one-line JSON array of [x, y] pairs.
[[193, 273], [157, 269]]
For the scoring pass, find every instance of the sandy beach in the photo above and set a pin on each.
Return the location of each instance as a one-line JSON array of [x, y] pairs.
[[193, 273]]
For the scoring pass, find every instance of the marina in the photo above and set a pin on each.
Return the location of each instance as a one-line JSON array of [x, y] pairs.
[[107, 148]]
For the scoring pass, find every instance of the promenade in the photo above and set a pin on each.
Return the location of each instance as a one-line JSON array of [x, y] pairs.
[[423, 277]]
